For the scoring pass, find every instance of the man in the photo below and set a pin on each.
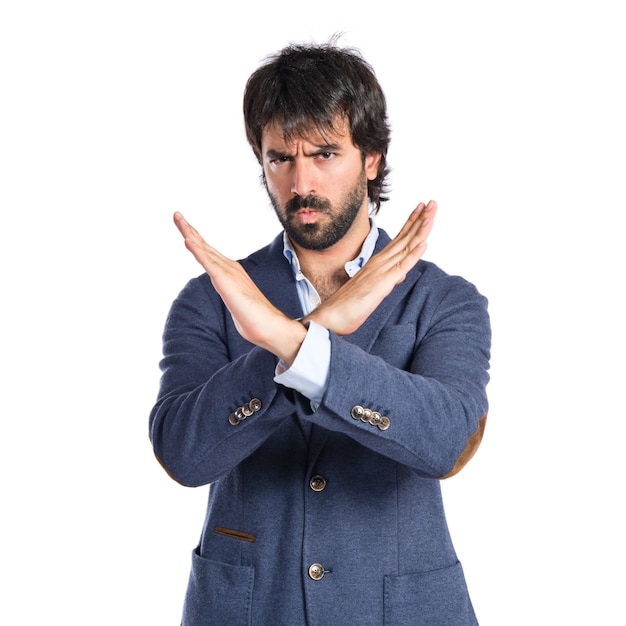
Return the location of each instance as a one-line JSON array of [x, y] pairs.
[[324, 385]]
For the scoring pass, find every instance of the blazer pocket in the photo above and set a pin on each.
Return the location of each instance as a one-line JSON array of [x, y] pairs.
[[218, 592], [435, 598]]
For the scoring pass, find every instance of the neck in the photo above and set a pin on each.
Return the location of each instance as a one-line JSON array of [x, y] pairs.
[[326, 268]]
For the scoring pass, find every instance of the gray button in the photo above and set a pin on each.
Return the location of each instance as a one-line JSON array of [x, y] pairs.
[[232, 418], [316, 571], [255, 404], [367, 414], [246, 409], [375, 418], [317, 483], [384, 423], [357, 412]]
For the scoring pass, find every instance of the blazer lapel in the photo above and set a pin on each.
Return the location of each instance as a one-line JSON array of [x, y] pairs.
[[367, 333], [272, 274]]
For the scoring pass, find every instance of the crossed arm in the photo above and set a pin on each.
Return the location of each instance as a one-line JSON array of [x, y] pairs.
[[259, 322], [430, 382]]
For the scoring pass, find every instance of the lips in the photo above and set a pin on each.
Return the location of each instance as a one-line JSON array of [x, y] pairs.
[[307, 216]]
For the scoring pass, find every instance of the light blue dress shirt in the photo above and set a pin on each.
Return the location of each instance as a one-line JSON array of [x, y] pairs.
[[308, 373]]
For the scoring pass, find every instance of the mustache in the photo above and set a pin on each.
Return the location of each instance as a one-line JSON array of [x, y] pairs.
[[307, 202]]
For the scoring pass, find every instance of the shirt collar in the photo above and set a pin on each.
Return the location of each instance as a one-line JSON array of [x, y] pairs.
[[352, 267]]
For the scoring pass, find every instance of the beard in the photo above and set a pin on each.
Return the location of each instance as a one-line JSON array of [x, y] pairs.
[[319, 236]]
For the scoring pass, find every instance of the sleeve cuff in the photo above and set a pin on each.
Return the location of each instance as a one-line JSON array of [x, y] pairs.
[[308, 373]]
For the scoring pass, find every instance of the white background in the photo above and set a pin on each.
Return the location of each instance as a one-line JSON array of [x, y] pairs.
[[115, 114]]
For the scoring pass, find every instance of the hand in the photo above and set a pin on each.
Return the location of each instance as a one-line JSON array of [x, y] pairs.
[[256, 319], [355, 301]]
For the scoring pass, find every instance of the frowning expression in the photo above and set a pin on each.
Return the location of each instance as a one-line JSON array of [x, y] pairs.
[[317, 184]]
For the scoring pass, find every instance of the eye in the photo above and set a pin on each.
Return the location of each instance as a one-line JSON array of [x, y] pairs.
[[326, 156], [280, 159]]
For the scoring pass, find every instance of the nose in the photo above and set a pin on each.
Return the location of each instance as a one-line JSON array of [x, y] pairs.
[[303, 181]]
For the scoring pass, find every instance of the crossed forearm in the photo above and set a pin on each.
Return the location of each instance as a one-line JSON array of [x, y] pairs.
[[261, 323], [354, 302]]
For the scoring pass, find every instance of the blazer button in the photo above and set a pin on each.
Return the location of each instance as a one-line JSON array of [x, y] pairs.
[[357, 412], [316, 571], [385, 422], [255, 404], [375, 418], [317, 483]]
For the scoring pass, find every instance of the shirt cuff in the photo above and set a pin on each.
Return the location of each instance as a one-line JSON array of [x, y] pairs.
[[308, 373]]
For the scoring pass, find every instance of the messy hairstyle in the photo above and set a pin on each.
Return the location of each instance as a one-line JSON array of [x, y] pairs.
[[305, 87]]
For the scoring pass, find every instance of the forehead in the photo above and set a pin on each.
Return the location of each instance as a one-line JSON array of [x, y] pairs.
[[274, 134]]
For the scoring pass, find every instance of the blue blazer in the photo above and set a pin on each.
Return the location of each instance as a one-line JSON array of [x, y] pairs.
[[335, 516]]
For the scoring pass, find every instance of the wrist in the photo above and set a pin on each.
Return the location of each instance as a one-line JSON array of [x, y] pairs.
[[287, 339]]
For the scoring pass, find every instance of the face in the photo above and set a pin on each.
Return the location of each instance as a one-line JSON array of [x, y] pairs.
[[317, 185]]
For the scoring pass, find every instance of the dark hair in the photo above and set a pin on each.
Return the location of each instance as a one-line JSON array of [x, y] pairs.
[[313, 86]]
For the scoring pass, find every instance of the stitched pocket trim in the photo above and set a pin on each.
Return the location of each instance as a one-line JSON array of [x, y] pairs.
[[235, 534]]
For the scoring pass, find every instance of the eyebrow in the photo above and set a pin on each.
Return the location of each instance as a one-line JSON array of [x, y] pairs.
[[275, 154], [327, 147], [319, 149]]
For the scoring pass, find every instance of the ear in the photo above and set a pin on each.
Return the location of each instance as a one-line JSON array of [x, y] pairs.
[[372, 162]]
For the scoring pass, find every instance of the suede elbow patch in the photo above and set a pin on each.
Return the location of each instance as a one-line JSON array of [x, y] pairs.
[[470, 448]]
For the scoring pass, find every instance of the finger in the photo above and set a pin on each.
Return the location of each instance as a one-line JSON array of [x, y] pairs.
[[420, 215], [429, 212], [194, 241], [185, 228], [419, 227], [205, 254], [181, 223], [410, 244], [412, 234], [419, 219], [427, 221], [411, 220], [188, 232]]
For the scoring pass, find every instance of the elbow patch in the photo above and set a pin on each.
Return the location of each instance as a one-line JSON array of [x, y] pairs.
[[470, 449]]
